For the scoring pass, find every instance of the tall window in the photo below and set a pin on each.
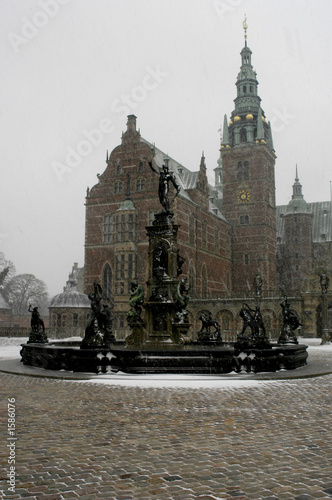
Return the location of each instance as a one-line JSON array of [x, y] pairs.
[[243, 173], [107, 281], [130, 227], [122, 267], [125, 272], [117, 266], [119, 228], [216, 239], [204, 230], [130, 266], [123, 228], [75, 320], [243, 135], [239, 171], [192, 231], [108, 228]]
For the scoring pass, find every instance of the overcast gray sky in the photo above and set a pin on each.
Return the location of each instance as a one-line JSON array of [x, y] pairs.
[[70, 67]]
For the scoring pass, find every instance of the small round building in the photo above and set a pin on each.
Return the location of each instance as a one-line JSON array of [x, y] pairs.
[[69, 312]]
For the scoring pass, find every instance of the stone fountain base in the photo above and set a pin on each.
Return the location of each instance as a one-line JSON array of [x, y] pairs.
[[198, 357]]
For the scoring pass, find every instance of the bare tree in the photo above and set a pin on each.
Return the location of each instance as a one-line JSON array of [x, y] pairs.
[[25, 289]]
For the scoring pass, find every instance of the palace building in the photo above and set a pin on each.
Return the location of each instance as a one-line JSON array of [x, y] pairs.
[[231, 234]]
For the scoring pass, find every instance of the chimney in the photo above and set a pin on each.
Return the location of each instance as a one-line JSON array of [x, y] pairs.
[[131, 123]]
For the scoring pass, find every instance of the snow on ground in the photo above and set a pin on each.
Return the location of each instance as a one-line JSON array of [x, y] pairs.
[[10, 349], [10, 346], [177, 381]]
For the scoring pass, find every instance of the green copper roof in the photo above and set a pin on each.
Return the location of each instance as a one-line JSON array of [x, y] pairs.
[[126, 205]]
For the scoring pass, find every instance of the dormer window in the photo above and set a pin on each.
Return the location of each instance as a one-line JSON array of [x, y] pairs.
[[118, 187], [118, 169], [140, 185]]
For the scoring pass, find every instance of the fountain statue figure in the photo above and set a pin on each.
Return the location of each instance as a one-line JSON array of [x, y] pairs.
[[165, 178]]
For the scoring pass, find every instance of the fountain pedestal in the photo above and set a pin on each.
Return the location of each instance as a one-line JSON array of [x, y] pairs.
[[166, 316]]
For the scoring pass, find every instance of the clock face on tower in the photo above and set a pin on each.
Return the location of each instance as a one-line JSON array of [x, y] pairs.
[[243, 196]]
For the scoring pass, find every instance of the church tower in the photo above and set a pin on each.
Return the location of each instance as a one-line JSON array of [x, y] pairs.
[[296, 256], [248, 160]]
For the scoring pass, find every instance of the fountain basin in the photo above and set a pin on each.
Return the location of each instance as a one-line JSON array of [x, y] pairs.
[[198, 357]]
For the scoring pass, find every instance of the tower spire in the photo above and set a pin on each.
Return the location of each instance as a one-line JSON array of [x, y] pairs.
[[297, 203], [225, 133], [245, 27], [297, 186], [248, 123]]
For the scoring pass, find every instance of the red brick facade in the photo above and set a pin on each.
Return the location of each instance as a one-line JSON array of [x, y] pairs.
[[121, 205], [249, 205]]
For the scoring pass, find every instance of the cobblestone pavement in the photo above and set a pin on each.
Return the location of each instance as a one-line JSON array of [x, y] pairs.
[[270, 441]]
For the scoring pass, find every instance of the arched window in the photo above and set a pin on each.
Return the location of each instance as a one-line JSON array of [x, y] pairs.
[[204, 234], [243, 135], [225, 322], [192, 231], [191, 277], [75, 320], [239, 171], [107, 281]]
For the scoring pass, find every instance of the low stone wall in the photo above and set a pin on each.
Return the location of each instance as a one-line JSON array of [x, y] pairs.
[[14, 331]]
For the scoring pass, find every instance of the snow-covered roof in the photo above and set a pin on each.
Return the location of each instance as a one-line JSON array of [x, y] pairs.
[[3, 303], [71, 297]]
